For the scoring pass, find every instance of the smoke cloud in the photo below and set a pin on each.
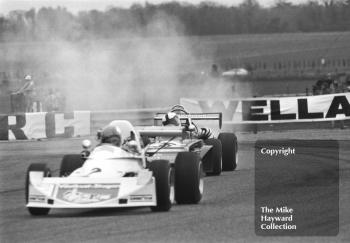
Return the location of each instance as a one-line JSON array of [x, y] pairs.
[[134, 70]]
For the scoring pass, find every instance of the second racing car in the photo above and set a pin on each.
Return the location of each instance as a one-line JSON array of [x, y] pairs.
[[217, 154]]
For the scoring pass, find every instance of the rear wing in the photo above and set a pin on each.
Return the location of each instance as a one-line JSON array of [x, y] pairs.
[[194, 116], [158, 131]]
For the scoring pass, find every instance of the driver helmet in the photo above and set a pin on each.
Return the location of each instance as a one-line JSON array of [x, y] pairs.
[[111, 134], [28, 78], [171, 118]]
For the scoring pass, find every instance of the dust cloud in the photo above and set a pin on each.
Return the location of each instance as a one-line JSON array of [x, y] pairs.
[[134, 70]]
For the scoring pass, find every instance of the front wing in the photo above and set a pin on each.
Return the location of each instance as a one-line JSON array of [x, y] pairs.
[[80, 192]]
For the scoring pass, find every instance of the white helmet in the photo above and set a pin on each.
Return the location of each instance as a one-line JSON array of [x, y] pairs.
[[171, 118], [28, 77], [111, 134]]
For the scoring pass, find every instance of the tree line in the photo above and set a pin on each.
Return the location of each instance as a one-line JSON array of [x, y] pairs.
[[174, 18]]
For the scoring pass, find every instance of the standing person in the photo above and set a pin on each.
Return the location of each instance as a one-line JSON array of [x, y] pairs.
[[61, 100], [28, 91], [214, 72], [51, 102], [5, 84]]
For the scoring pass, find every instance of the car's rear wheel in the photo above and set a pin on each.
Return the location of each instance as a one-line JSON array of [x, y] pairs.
[[212, 159], [47, 173], [188, 178], [69, 163], [229, 151], [162, 174]]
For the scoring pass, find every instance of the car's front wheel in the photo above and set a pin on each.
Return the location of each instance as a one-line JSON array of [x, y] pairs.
[[212, 160], [162, 174], [229, 151], [69, 163], [47, 173], [188, 178]]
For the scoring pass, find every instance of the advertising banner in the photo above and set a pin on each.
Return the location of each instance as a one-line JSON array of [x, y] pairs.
[[275, 109], [38, 125]]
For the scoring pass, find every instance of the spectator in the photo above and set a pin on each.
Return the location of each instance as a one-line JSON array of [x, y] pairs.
[[28, 91], [61, 100], [326, 89], [51, 102], [214, 73], [5, 86], [332, 88]]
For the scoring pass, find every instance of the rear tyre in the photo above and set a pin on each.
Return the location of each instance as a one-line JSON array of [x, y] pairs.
[[162, 174], [229, 151], [212, 159], [188, 178], [70, 162], [47, 173]]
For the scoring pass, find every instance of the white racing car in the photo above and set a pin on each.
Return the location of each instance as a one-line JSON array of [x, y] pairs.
[[110, 177]]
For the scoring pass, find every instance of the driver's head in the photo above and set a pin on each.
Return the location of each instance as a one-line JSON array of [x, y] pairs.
[[111, 134], [28, 78], [171, 118]]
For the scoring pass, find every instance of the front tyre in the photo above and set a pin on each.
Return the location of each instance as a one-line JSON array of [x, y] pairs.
[[188, 178], [162, 174], [69, 163], [229, 151], [47, 173]]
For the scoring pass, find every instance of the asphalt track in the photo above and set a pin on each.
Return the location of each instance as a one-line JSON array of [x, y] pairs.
[[225, 214]]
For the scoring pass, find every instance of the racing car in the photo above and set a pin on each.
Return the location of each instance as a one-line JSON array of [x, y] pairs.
[[108, 176], [217, 154]]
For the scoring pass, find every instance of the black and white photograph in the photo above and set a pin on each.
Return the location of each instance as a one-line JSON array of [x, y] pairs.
[[174, 121]]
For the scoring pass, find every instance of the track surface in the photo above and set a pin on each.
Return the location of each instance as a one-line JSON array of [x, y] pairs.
[[226, 213]]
